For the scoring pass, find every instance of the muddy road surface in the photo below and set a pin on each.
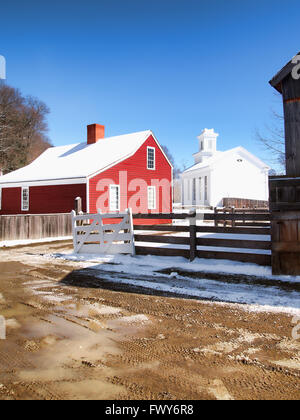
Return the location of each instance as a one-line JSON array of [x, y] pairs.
[[71, 340]]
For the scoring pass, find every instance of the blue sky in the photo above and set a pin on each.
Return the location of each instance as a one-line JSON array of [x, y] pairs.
[[172, 66]]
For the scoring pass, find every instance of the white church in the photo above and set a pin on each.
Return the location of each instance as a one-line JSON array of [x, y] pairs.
[[215, 175]]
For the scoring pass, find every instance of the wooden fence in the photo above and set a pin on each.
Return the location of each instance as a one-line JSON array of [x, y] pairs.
[[243, 202], [186, 238], [188, 244], [37, 226]]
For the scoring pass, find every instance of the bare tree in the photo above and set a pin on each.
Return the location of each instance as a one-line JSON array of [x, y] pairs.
[[23, 128], [274, 141], [176, 169]]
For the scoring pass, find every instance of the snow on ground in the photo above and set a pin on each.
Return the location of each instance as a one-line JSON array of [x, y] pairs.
[[135, 264], [7, 244], [142, 271]]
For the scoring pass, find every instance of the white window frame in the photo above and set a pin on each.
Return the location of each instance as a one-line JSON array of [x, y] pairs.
[[23, 208], [110, 197], [0, 198], [152, 188], [154, 163]]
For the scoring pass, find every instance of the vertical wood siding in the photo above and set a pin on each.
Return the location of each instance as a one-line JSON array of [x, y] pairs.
[[35, 226]]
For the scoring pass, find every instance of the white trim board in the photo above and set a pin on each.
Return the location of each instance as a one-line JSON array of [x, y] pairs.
[[210, 163], [71, 181]]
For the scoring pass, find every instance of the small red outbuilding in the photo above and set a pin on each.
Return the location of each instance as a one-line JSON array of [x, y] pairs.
[[109, 174]]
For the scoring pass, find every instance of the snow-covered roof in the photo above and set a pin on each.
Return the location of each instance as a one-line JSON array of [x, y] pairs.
[[78, 160], [217, 156]]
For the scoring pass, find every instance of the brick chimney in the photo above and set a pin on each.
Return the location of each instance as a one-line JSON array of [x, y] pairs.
[[95, 132]]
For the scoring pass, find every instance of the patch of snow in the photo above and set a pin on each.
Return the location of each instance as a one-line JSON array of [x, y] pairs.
[[104, 309], [56, 299], [7, 244], [259, 296], [134, 319], [142, 271], [142, 265]]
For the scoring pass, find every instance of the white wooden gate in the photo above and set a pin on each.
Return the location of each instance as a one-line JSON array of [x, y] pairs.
[[91, 236]]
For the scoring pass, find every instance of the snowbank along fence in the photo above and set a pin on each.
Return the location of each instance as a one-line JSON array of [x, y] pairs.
[[92, 235], [188, 240], [37, 226]]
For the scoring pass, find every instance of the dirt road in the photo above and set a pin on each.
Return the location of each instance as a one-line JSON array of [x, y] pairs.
[[71, 340]]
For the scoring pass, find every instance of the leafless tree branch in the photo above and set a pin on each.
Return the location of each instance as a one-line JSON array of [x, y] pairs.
[[23, 128]]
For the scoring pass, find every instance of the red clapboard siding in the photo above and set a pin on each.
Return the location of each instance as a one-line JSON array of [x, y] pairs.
[[44, 199], [136, 167]]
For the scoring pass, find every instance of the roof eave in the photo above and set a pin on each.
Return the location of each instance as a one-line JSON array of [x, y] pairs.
[[26, 181], [254, 158], [276, 81]]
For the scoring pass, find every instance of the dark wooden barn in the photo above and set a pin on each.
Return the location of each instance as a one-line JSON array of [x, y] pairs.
[[285, 190]]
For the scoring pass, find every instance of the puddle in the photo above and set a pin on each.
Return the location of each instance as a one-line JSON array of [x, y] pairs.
[[46, 375], [18, 310], [218, 389], [90, 389]]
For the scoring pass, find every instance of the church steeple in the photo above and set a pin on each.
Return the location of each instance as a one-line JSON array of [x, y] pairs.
[[207, 145]]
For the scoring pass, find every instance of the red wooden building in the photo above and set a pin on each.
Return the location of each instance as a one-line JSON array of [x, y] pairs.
[[110, 174]]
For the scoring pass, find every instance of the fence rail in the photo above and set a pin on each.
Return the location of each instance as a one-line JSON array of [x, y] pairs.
[[254, 250], [207, 229], [162, 216], [241, 216]]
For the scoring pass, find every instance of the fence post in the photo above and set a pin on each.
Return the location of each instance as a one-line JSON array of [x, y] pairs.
[[74, 225], [233, 219], [193, 234], [131, 230], [100, 224], [216, 212], [78, 205]]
